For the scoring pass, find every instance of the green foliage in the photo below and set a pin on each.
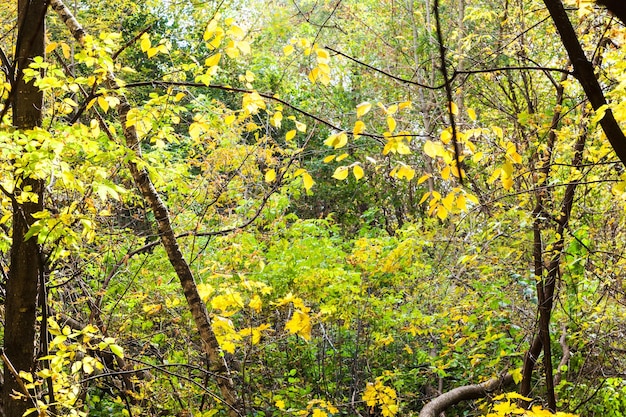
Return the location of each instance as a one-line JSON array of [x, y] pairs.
[[345, 267]]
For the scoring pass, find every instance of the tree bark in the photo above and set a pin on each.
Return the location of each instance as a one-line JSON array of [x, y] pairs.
[[617, 7], [25, 268], [467, 392], [584, 73], [168, 239]]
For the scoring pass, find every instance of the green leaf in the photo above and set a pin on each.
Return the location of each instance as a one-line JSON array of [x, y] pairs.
[[117, 350]]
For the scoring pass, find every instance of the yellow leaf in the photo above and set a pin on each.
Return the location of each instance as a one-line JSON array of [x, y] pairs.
[[307, 180], [498, 131], [363, 108], [152, 52], [205, 291], [211, 28], [213, 60], [423, 178], [445, 172], [358, 172], [328, 158], [103, 103], [391, 124], [477, 157], [244, 47], [448, 201], [337, 140], [342, 157], [300, 324], [230, 119], [442, 213], [314, 74], [300, 126], [431, 149], [472, 198], [461, 203], [405, 172], [446, 136], [507, 183], [322, 54], [424, 198], [151, 309], [290, 135], [392, 109], [599, 114], [145, 42], [404, 105], [288, 50], [341, 173], [51, 47], [270, 175], [255, 303], [231, 50], [359, 127], [402, 147], [236, 32], [472, 114], [453, 108], [66, 50], [277, 119], [252, 102]]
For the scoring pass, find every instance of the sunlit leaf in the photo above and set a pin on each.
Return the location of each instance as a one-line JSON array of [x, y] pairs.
[[337, 140], [145, 42], [358, 172], [341, 173], [446, 136], [270, 175], [300, 324], [307, 181], [391, 124], [104, 105], [301, 127], [51, 47], [213, 60], [290, 135], [359, 127], [453, 108], [363, 108]]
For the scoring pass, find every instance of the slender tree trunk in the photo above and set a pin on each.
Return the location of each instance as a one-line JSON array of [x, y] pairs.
[[23, 277], [585, 74], [168, 239]]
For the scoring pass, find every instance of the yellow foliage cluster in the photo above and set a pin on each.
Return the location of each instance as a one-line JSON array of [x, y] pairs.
[[300, 321], [506, 405], [379, 395], [318, 408]]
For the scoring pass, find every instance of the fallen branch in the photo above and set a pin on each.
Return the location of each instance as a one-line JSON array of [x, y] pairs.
[[465, 393]]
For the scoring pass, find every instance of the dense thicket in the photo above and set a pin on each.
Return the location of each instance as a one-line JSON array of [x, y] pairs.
[[313, 208]]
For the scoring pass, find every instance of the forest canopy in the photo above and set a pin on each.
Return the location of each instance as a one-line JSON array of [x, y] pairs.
[[313, 208]]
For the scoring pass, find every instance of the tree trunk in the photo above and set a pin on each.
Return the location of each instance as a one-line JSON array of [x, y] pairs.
[[141, 178], [584, 73], [25, 269]]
